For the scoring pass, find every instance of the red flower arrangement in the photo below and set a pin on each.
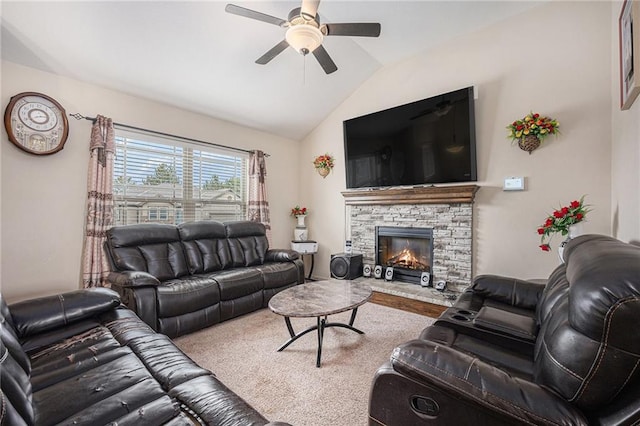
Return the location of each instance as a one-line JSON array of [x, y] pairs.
[[533, 124], [323, 162], [560, 221], [297, 211]]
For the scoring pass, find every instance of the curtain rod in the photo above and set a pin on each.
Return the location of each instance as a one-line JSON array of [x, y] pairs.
[[79, 116]]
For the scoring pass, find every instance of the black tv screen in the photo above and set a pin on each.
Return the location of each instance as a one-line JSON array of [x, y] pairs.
[[430, 141]]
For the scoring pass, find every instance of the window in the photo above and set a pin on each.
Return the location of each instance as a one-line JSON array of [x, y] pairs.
[[165, 180]]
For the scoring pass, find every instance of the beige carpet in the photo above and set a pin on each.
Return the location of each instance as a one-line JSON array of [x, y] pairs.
[[287, 386]]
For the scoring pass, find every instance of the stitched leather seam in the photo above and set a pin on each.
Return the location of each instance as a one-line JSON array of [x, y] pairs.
[[546, 349], [466, 375], [484, 391], [626, 381], [604, 345]]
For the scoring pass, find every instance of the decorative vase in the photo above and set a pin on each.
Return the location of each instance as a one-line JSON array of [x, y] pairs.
[[300, 233], [574, 231], [529, 143], [323, 171]]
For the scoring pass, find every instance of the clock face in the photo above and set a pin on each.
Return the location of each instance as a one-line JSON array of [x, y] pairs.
[[36, 123]]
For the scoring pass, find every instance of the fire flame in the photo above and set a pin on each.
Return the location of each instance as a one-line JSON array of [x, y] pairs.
[[406, 259]]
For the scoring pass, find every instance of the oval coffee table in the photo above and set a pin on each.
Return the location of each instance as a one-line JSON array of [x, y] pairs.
[[319, 299]]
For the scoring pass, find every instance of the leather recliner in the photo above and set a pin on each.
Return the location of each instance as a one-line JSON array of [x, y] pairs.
[[179, 279], [516, 352], [81, 358]]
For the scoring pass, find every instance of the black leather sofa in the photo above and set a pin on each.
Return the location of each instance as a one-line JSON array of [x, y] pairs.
[[82, 358], [179, 279], [513, 351]]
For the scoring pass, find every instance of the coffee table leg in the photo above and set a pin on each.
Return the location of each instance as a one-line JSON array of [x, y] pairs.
[[293, 335], [321, 324]]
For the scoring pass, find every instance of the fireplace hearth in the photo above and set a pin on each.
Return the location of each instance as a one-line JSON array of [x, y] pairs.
[[408, 250]]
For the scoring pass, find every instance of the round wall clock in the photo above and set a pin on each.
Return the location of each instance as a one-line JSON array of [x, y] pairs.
[[36, 123]]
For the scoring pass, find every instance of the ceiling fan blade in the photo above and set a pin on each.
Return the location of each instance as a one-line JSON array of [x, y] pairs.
[[325, 60], [362, 29], [272, 53], [248, 13], [309, 8]]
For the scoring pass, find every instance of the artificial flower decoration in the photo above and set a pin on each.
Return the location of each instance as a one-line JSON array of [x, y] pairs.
[[297, 211], [560, 221], [531, 130], [323, 162]]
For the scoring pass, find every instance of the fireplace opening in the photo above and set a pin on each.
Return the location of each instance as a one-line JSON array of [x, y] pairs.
[[408, 250]]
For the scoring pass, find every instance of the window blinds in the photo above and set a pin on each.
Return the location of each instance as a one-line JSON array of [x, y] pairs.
[[166, 180]]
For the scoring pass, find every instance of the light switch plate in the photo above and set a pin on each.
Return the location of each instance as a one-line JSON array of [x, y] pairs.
[[513, 184]]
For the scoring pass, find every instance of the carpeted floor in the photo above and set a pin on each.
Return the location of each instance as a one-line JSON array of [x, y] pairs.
[[287, 386]]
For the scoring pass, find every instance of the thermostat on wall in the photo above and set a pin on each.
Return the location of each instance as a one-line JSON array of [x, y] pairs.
[[513, 184]]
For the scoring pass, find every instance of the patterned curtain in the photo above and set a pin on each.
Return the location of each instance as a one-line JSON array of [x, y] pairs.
[[95, 267], [258, 210]]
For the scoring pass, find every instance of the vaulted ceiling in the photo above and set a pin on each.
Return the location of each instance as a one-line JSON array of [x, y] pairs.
[[195, 56]]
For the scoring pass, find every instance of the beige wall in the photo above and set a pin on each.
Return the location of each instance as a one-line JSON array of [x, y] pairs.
[[43, 198], [559, 59], [555, 59], [625, 161]]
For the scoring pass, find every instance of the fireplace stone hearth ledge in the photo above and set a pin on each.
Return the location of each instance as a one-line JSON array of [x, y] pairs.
[[448, 210]]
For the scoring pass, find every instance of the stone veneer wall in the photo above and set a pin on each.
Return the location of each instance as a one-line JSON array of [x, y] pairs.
[[452, 235]]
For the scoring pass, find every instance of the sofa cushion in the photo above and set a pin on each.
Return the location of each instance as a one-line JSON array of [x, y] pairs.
[[151, 248], [206, 247], [248, 243], [236, 283], [187, 294], [275, 275]]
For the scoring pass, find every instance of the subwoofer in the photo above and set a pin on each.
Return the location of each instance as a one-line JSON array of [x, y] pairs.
[[345, 266]]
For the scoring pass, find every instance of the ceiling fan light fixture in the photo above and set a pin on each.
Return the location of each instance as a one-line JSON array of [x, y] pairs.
[[304, 38]]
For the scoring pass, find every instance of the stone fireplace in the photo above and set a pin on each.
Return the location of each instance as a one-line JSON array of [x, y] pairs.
[[408, 250], [446, 211]]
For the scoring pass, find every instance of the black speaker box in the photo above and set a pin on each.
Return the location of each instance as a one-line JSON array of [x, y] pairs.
[[345, 266]]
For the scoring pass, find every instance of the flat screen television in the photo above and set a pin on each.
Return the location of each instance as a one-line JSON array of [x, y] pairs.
[[431, 141]]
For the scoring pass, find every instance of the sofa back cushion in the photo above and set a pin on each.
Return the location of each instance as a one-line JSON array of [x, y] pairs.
[[588, 350], [206, 247], [248, 242], [152, 248], [15, 372]]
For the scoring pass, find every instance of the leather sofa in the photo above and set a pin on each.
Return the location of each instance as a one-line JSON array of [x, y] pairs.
[[513, 351], [82, 358], [179, 279]]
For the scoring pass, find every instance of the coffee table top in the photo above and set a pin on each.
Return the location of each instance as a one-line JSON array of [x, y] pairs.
[[320, 298]]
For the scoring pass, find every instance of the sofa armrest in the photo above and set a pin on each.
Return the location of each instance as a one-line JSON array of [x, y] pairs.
[[479, 384], [281, 255], [512, 291], [47, 313], [132, 279]]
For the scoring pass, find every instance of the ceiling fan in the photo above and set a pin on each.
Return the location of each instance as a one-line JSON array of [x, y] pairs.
[[305, 32]]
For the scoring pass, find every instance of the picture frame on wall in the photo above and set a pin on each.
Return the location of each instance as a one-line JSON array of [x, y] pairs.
[[629, 53]]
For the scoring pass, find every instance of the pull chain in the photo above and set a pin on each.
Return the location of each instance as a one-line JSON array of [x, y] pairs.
[[304, 70]]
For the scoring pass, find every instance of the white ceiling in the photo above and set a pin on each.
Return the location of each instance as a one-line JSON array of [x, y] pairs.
[[195, 56]]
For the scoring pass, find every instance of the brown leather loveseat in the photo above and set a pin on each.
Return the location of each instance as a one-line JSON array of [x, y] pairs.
[[517, 352], [179, 279]]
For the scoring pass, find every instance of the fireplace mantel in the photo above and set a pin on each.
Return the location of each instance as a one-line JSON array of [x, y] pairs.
[[418, 195]]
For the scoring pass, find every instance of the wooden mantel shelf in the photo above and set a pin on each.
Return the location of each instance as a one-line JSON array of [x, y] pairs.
[[417, 195]]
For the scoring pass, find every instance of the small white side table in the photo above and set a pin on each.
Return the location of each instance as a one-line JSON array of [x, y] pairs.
[[306, 247]]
